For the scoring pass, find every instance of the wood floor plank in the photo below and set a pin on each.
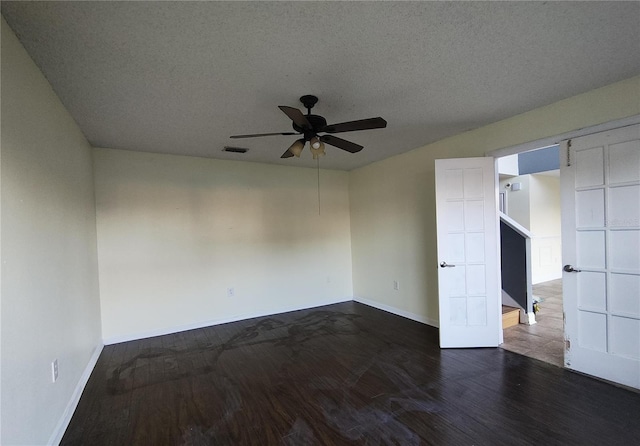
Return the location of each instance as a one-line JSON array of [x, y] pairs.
[[339, 375]]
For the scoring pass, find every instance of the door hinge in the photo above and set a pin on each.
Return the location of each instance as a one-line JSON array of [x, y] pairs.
[[569, 153]]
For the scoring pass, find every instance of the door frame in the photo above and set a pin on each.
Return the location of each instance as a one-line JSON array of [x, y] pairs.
[[557, 139]]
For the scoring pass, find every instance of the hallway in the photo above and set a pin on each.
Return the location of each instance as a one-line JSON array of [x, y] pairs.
[[545, 339]]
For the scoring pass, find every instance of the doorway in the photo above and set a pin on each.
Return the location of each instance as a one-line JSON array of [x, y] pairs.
[[600, 229], [529, 188]]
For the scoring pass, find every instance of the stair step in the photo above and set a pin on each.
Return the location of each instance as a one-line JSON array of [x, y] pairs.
[[510, 316]]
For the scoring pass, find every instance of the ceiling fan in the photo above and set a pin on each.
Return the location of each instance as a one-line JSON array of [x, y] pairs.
[[311, 125]]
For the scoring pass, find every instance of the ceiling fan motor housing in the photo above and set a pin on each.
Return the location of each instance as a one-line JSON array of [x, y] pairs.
[[318, 123]]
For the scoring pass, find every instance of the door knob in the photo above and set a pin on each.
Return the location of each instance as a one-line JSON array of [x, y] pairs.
[[570, 269], [446, 265]]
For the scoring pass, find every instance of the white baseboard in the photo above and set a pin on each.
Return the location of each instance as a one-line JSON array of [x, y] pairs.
[[176, 329], [397, 311], [527, 318], [62, 425]]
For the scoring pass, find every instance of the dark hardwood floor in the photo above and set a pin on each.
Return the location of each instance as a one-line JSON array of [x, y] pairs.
[[340, 374]]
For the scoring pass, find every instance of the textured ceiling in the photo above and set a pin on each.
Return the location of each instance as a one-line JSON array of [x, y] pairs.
[[180, 77]]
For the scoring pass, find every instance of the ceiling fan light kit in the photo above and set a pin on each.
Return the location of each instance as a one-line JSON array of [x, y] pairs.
[[296, 148], [317, 152], [311, 125], [315, 142]]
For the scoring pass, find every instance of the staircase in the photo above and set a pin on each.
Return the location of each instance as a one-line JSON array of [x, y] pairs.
[[515, 255], [510, 316]]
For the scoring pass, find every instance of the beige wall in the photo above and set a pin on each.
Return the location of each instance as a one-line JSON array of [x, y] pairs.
[[545, 205], [393, 202], [174, 233], [50, 301]]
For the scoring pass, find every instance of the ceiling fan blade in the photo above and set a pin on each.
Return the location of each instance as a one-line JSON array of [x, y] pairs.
[[287, 154], [257, 135], [294, 149], [341, 143], [296, 116], [352, 126]]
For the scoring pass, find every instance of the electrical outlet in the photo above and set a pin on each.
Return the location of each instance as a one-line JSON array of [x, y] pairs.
[[231, 292], [396, 285], [54, 370]]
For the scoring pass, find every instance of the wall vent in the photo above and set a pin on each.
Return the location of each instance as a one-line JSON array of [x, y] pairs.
[[235, 149]]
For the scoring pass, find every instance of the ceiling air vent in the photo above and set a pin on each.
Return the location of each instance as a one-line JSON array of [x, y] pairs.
[[235, 149]]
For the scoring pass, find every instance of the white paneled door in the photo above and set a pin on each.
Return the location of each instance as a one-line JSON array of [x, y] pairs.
[[600, 186], [468, 261]]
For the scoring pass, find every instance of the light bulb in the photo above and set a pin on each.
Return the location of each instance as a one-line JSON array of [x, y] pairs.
[[318, 152], [315, 142]]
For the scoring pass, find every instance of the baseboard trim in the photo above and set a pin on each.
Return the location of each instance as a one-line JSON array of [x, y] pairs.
[[62, 425], [177, 329], [397, 311], [527, 318]]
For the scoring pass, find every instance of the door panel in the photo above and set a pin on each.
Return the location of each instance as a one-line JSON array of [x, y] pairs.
[[467, 222], [600, 186]]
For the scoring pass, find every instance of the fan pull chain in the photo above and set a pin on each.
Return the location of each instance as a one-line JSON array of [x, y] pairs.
[[318, 164]]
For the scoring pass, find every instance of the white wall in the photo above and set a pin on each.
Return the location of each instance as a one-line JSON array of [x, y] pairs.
[[519, 201], [536, 206], [175, 232], [508, 165], [393, 202], [545, 225], [50, 301]]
